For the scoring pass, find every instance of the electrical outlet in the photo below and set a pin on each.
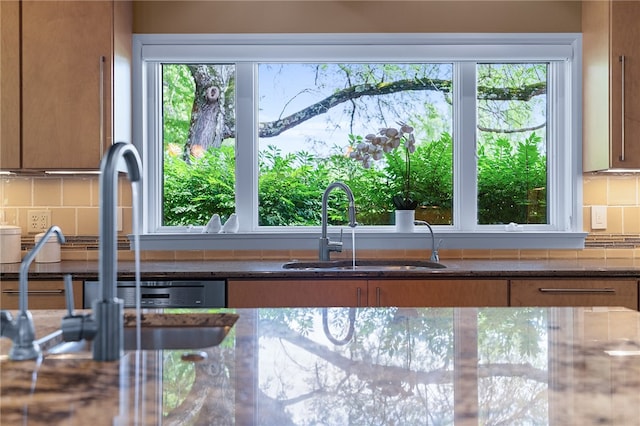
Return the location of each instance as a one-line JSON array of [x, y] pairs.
[[39, 221]]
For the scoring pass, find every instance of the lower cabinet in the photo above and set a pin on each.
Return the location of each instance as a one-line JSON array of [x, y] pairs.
[[438, 293], [41, 294], [296, 293], [574, 292], [356, 293]]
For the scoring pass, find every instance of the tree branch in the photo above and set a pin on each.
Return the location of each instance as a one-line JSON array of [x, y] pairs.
[[275, 128], [384, 374], [506, 131]]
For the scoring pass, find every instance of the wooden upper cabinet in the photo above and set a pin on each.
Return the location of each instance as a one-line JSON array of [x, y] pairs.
[[625, 83], [68, 81], [9, 85], [611, 85]]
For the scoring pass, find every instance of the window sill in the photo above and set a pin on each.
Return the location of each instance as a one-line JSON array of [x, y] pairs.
[[379, 240]]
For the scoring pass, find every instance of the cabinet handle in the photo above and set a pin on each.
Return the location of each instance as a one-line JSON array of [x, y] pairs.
[[358, 292], [34, 292], [622, 141], [101, 100], [605, 290], [378, 296]]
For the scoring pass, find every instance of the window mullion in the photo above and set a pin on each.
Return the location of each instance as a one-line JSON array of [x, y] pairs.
[[153, 152], [464, 153], [246, 146]]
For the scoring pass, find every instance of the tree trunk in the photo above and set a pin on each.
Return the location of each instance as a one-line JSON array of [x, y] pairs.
[[208, 125]]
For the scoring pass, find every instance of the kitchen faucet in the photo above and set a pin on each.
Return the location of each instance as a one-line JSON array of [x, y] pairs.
[[22, 331], [326, 245], [434, 249], [109, 341]]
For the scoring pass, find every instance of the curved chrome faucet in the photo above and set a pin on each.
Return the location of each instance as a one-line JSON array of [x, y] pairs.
[[326, 245], [435, 257], [108, 343], [22, 330]]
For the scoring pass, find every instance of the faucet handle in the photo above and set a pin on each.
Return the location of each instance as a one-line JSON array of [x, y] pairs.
[[75, 327], [435, 255]]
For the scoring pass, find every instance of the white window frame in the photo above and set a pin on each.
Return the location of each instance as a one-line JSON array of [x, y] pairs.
[[564, 154]]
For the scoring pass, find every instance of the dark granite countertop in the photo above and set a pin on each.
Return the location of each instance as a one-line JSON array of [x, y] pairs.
[[561, 366], [252, 269]]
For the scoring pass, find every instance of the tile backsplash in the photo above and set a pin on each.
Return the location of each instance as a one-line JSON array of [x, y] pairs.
[[73, 202]]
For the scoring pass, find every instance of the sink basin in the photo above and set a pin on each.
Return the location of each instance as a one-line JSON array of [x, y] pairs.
[[157, 331], [372, 264]]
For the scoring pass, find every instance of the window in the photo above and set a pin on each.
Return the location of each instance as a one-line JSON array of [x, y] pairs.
[[259, 126]]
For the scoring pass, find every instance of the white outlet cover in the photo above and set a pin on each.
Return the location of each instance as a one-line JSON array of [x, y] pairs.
[[598, 217]]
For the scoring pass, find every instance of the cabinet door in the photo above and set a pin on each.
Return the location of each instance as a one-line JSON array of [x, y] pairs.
[[452, 293], [41, 295], [294, 293], [574, 293], [10, 85], [625, 83], [66, 83]]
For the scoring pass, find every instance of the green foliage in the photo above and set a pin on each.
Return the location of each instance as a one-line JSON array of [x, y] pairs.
[[511, 184], [193, 192], [178, 91], [512, 181], [290, 188]]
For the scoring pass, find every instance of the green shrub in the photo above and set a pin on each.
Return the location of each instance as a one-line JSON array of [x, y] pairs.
[[511, 185]]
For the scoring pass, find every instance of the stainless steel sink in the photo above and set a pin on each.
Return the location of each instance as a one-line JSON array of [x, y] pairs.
[[152, 337], [364, 264]]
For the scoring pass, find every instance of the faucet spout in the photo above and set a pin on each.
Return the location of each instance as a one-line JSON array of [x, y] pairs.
[[28, 259], [326, 245], [108, 343], [434, 249], [22, 330]]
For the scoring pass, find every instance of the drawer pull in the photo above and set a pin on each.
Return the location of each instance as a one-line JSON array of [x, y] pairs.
[[605, 290], [622, 113], [34, 292]]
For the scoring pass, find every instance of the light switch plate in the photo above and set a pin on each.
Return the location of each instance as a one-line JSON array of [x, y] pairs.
[[598, 217]]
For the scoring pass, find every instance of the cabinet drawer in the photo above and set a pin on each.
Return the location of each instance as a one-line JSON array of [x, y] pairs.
[[574, 293], [438, 293], [42, 294], [294, 293]]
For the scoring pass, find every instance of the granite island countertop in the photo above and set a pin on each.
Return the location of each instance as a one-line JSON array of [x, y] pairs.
[[252, 269], [555, 366]]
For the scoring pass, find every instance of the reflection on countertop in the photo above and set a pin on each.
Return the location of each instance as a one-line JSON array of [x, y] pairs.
[[340, 366]]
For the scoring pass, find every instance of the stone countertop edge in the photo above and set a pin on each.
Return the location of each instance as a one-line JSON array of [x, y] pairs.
[[250, 269]]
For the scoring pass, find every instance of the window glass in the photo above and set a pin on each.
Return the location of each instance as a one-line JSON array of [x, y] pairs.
[[314, 121], [512, 143], [198, 137]]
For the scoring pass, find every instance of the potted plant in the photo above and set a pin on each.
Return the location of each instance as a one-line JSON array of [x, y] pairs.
[[373, 148]]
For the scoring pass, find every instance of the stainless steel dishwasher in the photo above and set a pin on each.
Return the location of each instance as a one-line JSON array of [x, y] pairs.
[[165, 294]]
